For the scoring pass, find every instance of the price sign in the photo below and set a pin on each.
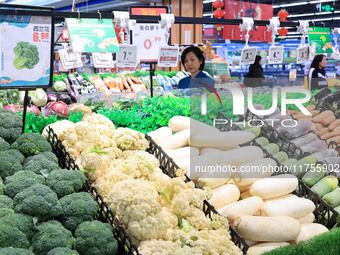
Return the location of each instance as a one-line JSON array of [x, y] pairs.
[[127, 57], [275, 54], [302, 54], [102, 60], [65, 35], [148, 38], [248, 55], [292, 75], [168, 56]]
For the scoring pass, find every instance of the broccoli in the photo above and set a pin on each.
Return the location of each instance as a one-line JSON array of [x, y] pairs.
[[38, 200], [31, 144], [15, 251], [5, 211], [23, 222], [64, 182], [45, 154], [6, 202], [26, 55], [95, 238], [41, 165], [10, 125], [2, 187], [11, 236], [62, 251], [10, 162], [77, 207], [20, 181], [51, 235], [4, 145]]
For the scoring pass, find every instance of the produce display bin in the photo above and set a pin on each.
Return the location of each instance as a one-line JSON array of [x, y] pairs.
[[324, 213], [125, 246]]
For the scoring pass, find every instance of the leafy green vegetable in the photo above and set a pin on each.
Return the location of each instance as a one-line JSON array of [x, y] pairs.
[[26, 55]]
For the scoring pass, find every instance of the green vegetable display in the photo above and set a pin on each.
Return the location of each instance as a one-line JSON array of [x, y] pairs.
[[10, 125], [26, 55], [31, 144], [15, 251], [6, 202], [10, 162]]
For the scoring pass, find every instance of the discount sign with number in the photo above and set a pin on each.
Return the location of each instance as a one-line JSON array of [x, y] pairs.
[[302, 54], [127, 57], [275, 54], [148, 38], [248, 55]]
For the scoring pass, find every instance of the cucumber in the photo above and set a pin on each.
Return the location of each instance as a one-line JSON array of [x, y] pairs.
[[303, 165], [337, 209], [322, 93], [272, 148], [312, 177], [281, 156], [325, 185], [262, 141], [289, 162], [255, 130], [333, 198]]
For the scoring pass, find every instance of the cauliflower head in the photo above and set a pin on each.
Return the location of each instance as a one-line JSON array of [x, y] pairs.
[[128, 139], [103, 124], [60, 128]]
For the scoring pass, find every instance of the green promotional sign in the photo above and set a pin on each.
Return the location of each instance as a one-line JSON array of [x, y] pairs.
[[92, 35], [321, 37]]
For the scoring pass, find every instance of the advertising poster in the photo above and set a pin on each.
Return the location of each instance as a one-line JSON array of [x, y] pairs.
[[321, 37]]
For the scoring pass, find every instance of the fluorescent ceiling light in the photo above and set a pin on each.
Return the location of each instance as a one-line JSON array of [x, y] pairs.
[[208, 1], [337, 18], [207, 14], [293, 33], [323, 13], [293, 4], [301, 15], [320, 1], [320, 19], [337, 12], [276, 6]]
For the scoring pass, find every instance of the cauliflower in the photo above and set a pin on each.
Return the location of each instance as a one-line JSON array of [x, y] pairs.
[[105, 182], [60, 128], [102, 123], [128, 139], [135, 203], [157, 247]]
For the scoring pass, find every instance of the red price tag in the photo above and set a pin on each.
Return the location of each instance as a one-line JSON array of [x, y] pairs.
[[65, 36], [37, 37]]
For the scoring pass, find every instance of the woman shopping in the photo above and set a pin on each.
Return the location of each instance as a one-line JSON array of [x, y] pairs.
[[317, 75], [193, 60], [255, 75]]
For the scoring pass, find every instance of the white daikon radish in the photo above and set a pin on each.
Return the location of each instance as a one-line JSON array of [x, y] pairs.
[[274, 186], [215, 179], [261, 248], [251, 242], [243, 188], [224, 195], [179, 123], [184, 164], [237, 157], [295, 207], [248, 206], [222, 139], [309, 230], [309, 218], [202, 164], [176, 141], [205, 150], [267, 229], [280, 197], [183, 153], [160, 134], [250, 172]]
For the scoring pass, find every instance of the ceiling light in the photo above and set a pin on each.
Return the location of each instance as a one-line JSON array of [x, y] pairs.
[[323, 13], [293, 4], [337, 18], [208, 1], [207, 14], [320, 19], [276, 6], [301, 15], [320, 1]]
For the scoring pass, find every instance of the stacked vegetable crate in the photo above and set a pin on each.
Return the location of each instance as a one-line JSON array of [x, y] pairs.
[[167, 165], [104, 213], [324, 213]]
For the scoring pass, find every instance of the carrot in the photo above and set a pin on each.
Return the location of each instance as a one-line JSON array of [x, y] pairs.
[[121, 85], [331, 134], [321, 131], [322, 116], [304, 117], [310, 107], [328, 120], [335, 139], [334, 124], [136, 80], [128, 79], [314, 113], [318, 126], [292, 112], [126, 85]]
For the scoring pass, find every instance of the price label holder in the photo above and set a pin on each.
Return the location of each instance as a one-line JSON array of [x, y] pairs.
[[168, 56], [102, 60], [248, 55], [69, 59], [275, 54], [127, 57], [302, 54]]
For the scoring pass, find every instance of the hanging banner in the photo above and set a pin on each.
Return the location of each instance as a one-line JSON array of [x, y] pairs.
[[246, 9], [92, 35], [26, 51], [321, 37]]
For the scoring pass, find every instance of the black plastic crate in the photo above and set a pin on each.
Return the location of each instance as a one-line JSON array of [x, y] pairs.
[[169, 167], [125, 246]]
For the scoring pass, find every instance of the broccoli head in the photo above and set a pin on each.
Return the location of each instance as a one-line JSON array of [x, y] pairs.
[[10, 125], [11, 236], [50, 235], [26, 55], [15, 251], [77, 207], [5, 211], [45, 154], [2, 187], [20, 181], [41, 165], [10, 162], [38, 200], [6, 202], [95, 238], [4, 145], [64, 182], [31, 144], [62, 251]]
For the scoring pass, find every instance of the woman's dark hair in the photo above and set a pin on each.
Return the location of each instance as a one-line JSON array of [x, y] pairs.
[[256, 63], [197, 52], [317, 59]]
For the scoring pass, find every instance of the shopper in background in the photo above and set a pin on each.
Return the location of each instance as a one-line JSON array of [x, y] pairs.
[[255, 75], [317, 74], [193, 60]]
